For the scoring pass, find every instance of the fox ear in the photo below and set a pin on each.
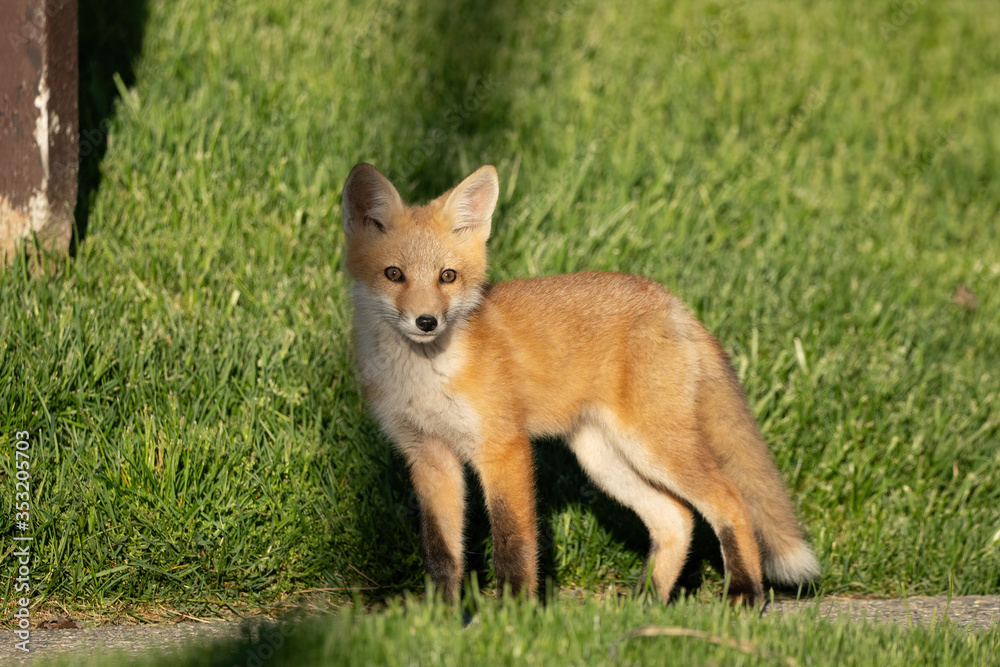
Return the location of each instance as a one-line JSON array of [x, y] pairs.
[[369, 201], [471, 203]]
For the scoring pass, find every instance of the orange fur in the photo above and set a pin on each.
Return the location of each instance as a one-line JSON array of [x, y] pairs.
[[460, 372]]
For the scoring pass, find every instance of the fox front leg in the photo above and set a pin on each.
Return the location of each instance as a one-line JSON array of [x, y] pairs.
[[507, 475], [438, 479]]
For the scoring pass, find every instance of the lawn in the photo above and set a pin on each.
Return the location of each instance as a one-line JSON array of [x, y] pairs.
[[819, 183], [585, 633]]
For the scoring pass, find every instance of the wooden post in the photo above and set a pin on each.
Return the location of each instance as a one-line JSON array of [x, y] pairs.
[[39, 123]]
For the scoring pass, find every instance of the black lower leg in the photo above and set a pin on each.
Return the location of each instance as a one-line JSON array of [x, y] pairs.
[[742, 585], [442, 566]]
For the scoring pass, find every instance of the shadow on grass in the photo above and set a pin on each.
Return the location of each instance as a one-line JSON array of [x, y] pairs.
[[111, 33], [290, 641], [463, 101], [562, 485]]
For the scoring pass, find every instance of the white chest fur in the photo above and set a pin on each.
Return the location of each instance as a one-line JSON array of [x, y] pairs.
[[411, 394]]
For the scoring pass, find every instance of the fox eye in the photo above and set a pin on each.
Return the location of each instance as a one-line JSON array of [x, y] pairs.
[[394, 274], [448, 276]]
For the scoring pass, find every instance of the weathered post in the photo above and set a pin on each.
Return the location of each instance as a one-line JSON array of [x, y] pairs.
[[39, 123]]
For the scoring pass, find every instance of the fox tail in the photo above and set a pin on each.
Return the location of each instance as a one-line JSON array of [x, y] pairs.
[[745, 458]]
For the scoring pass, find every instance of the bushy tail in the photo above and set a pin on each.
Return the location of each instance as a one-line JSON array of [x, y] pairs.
[[733, 434], [785, 555]]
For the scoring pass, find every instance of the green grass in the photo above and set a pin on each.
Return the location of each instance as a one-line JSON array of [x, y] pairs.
[[815, 182], [587, 633]]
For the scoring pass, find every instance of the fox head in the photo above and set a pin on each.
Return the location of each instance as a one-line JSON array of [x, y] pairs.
[[417, 269]]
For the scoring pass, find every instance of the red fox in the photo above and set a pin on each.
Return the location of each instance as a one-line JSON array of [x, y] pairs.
[[458, 372]]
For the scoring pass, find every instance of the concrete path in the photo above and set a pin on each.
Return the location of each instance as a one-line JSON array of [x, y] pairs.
[[970, 610], [88, 645]]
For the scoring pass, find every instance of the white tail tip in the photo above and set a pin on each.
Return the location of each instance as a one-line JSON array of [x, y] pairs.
[[795, 567]]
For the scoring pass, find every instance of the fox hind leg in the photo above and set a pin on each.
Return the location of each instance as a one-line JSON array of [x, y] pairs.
[[669, 520], [716, 498]]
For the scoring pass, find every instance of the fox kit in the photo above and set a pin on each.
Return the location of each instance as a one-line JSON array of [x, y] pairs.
[[458, 372]]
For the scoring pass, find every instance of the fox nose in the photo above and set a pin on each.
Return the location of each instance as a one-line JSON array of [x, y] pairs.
[[427, 323]]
